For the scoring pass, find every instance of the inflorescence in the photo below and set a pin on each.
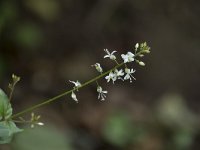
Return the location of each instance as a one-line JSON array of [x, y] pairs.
[[115, 74], [120, 71]]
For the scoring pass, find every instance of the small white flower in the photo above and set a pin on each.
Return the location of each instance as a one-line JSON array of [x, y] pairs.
[[110, 55], [77, 84], [119, 74], [112, 76], [102, 94], [129, 75], [98, 67], [129, 57], [73, 95]]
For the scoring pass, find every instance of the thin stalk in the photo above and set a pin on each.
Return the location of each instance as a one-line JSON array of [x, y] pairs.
[[11, 91], [23, 122]]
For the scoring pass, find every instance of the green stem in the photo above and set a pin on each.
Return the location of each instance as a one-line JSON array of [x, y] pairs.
[[11, 91], [64, 93], [116, 62], [23, 122]]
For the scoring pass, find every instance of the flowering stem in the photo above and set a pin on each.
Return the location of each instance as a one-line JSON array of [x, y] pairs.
[[64, 93], [68, 92]]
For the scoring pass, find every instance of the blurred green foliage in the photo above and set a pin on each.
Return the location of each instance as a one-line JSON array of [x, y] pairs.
[[3, 67], [46, 9], [42, 138], [8, 13], [183, 139], [28, 35], [118, 129], [173, 112]]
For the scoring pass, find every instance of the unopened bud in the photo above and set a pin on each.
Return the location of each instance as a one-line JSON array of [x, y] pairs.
[[141, 63], [136, 46], [15, 78], [146, 51], [141, 55]]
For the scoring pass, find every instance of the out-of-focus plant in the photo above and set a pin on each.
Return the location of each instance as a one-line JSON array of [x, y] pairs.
[[121, 71], [173, 113], [45, 9], [33, 139], [120, 130], [114, 132], [27, 33]]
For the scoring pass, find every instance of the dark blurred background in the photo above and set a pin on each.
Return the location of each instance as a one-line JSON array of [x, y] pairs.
[[48, 42]]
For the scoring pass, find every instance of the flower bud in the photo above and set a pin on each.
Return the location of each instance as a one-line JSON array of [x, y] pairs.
[[136, 46], [147, 51], [141, 55], [141, 63], [15, 78]]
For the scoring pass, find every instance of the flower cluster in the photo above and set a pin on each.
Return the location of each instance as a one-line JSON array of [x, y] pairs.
[[115, 73], [35, 120], [119, 75]]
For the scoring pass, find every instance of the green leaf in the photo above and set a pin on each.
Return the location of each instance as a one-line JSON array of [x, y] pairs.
[[4, 134], [5, 106], [7, 130]]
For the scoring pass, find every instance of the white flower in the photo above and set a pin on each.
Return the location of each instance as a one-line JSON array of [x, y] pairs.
[[110, 55], [98, 67], [129, 75], [119, 74], [73, 95], [129, 57], [102, 94], [112, 76], [77, 84]]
